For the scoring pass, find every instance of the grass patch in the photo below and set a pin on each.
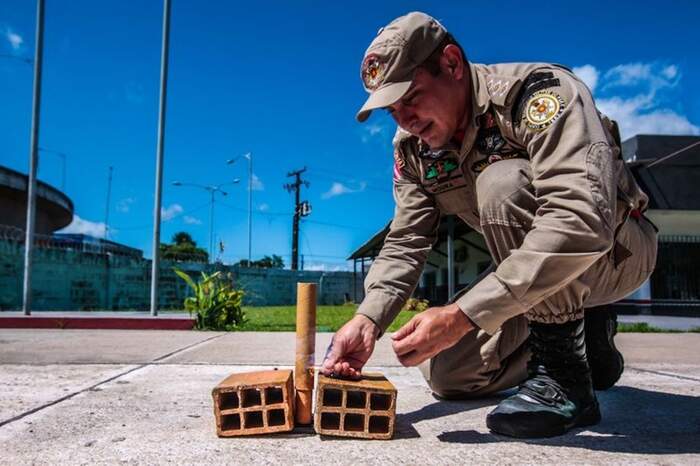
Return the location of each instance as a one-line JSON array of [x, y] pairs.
[[283, 318], [643, 327]]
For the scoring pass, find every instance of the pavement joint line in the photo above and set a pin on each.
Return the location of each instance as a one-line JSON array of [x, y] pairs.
[[665, 374], [121, 374]]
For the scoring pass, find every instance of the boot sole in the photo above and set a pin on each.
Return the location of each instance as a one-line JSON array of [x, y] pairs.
[[523, 425]]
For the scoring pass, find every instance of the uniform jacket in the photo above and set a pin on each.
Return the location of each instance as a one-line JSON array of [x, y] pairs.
[[539, 112]]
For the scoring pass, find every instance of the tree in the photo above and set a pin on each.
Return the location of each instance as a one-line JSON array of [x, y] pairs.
[[267, 262], [183, 249]]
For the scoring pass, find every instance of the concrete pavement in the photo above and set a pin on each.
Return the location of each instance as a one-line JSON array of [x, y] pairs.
[[144, 397]]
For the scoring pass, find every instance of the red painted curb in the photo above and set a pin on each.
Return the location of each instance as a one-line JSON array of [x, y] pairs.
[[94, 323]]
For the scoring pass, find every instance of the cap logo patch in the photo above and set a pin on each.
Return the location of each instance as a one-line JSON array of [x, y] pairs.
[[542, 109], [373, 70]]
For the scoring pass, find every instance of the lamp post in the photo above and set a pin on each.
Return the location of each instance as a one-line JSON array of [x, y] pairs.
[[212, 189], [249, 157], [62, 156]]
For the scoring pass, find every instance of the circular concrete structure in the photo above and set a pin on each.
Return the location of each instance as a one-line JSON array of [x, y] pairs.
[[54, 210]]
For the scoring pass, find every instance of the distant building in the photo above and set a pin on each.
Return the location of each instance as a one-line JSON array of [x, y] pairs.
[[54, 210], [673, 186]]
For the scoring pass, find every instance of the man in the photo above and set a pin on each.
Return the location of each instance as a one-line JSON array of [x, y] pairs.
[[520, 153]]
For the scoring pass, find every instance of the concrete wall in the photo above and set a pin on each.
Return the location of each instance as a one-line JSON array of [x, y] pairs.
[[70, 280]]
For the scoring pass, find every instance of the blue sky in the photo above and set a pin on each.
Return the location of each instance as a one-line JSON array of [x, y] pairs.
[[281, 80]]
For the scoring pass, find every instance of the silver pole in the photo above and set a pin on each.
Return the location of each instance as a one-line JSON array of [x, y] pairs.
[[33, 161], [159, 158], [450, 257], [109, 195], [250, 205], [211, 227]]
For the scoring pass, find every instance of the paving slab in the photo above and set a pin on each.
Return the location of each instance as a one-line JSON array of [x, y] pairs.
[[145, 398], [26, 388], [164, 414], [253, 348], [48, 346]]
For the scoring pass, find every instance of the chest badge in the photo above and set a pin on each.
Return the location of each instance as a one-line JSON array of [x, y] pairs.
[[440, 168], [542, 109]]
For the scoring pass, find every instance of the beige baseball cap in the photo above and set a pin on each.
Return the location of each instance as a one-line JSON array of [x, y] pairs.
[[391, 59]]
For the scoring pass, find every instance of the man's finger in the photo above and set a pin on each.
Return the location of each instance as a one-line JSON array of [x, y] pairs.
[[406, 330], [332, 354], [410, 359], [405, 345]]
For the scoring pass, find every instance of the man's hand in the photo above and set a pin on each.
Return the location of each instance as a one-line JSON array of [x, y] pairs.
[[350, 348], [429, 333]]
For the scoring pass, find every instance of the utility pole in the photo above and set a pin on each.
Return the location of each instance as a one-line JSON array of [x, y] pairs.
[[301, 209]]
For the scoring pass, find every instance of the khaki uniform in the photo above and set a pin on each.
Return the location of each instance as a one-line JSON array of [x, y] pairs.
[[540, 175]]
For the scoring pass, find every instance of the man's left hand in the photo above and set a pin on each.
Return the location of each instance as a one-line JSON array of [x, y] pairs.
[[429, 333]]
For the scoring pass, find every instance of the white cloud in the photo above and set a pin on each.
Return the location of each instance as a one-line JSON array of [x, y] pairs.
[[588, 74], [257, 184], [264, 207], [191, 220], [124, 205], [14, 39], [639, 97], [338, 189], [85, 227], [325, 267], [170, 212], [375, 130]]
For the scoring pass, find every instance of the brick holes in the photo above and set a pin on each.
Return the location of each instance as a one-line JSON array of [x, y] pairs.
[[228, 400], [274, 395], [379, 402], [356, 400], [275, 417], [332, 397], [251, 397], [330, 421], [253, 419], [231, 422], [354, 422], [378, 424]]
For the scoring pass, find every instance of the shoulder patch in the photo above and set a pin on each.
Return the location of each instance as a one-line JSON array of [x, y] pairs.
[[536, 81], [542, 109]]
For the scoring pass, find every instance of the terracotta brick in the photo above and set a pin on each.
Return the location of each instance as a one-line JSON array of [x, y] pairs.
[[356, 408], [252, 403]]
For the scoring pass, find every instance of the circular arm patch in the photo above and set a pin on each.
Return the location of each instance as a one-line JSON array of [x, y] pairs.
[[542, 109]]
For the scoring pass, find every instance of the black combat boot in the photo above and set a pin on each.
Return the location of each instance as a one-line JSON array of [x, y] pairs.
[[605, 360], [558, 393]]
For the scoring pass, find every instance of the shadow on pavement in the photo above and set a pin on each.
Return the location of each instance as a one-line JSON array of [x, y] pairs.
[[634, 421]]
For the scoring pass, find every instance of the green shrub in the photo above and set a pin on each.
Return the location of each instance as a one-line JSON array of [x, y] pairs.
[[416, 305], [216, 303]]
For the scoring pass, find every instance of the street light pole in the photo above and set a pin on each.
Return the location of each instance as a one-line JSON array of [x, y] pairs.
[[212, 189], [159, 157], [33, 161], [249, 157]]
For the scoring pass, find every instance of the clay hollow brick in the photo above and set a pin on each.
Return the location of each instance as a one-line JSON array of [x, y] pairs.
[[254, 403], [351, 408]]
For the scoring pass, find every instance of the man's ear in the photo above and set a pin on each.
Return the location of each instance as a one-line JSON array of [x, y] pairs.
[[452, 62]]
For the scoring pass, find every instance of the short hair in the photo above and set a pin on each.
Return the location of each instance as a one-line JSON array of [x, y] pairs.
[[432, 63]]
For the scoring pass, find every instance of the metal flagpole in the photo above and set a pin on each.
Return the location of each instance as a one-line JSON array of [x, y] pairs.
[[33, 161], [159, 158]]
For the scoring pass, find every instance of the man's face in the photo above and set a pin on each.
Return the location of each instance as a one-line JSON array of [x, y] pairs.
[[432, 108]]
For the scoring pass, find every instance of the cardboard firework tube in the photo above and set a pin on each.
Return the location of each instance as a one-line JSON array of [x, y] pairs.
[[306, 345]]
